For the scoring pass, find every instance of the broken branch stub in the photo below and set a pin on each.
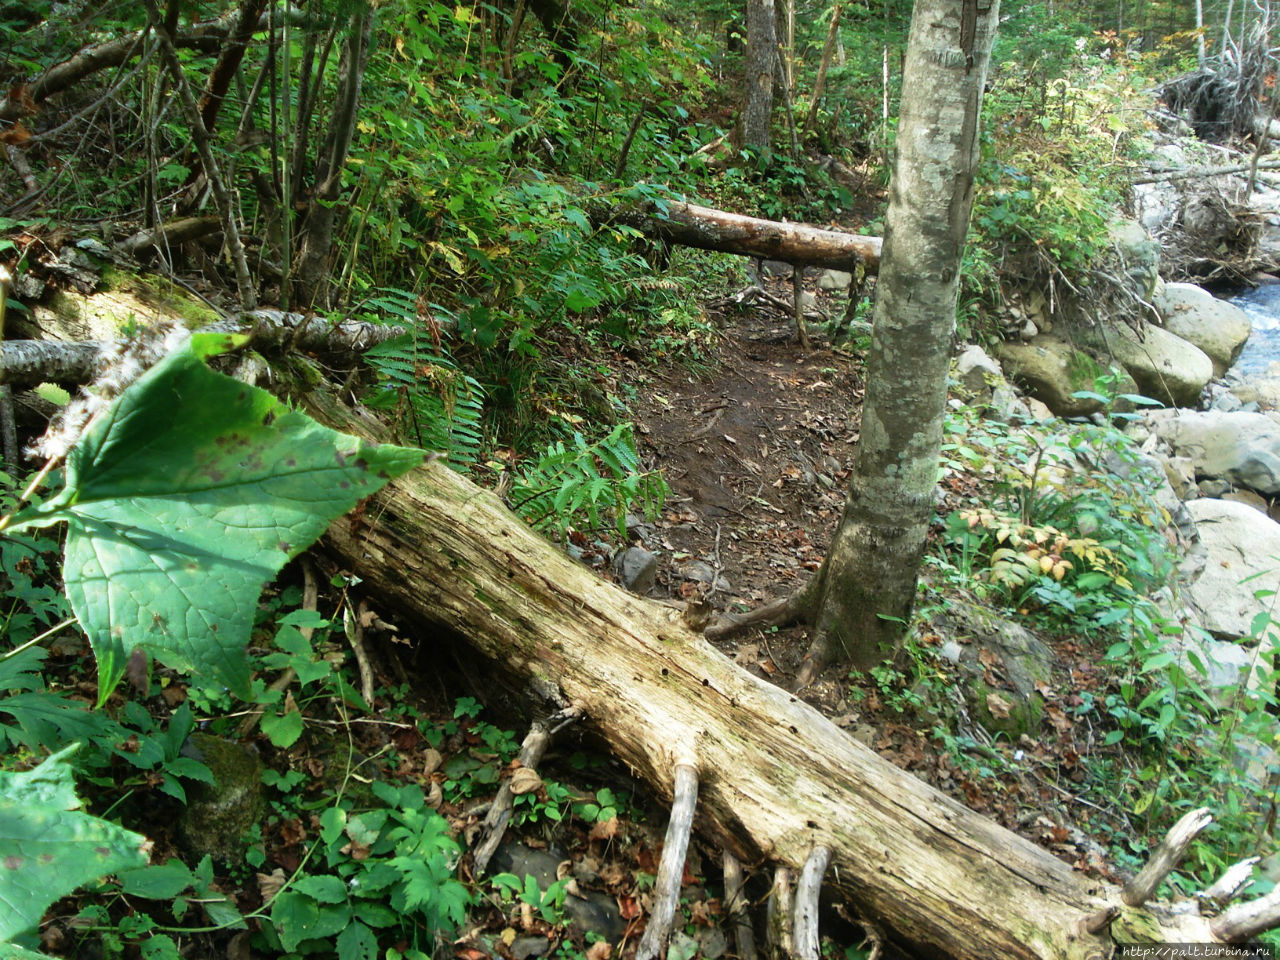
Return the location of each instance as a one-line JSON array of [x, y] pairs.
[[667, 886]]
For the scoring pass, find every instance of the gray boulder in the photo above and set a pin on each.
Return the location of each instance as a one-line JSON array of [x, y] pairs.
[[1163, 365], [977, 372], [1242, 546], [1241, 448], [1218, 328], [834, 280], [637, 568], [1139, 255], [1052, 370], [1001, 666]]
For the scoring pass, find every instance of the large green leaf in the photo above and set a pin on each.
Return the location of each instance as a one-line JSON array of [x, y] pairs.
[[48, 847], [184, 499]]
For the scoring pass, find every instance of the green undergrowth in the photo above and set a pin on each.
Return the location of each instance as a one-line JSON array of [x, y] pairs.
[[1057, 525], [352, 848]]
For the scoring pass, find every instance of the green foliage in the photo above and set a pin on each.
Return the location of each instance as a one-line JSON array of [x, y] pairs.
[[549, 903], [183, 457], [441, 408], [48, 847], [587, 483], [390, 872], [1074, 529]]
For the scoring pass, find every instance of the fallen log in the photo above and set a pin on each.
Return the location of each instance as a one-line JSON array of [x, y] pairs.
[[705, 228], [775, 779], [26, 363]]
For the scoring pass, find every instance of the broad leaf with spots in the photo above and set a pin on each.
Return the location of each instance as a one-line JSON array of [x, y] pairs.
[[184, 498], [48, 847]]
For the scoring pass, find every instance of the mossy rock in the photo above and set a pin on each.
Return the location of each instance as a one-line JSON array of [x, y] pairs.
[[220, 816], [1053, 371], [1002, 667]]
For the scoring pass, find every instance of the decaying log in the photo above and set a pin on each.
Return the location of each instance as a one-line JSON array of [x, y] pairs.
[[776, 778], [705, 228], [170, 234], [30, 362]]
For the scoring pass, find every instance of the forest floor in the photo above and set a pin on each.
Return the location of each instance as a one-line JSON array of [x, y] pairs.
[[757, 451], [756, 444]]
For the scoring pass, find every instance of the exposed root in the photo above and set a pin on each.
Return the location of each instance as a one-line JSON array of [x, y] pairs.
[[782, 612]]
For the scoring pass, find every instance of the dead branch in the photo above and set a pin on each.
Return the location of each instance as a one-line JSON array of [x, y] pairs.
[[499, 815], [1246, 920], [1166, 856], [804, 938], [666, 888], [779, 916], [30, 362], [200, 134], [207, 36], [736, 905]]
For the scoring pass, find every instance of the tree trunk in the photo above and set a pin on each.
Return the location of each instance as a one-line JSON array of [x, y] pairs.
[[317, 239], [776, 778], [762, 48], [867, 584], [692, 226]]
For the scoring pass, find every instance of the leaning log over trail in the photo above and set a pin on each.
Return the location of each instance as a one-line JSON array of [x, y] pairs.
[[689, 225], [775, 779]]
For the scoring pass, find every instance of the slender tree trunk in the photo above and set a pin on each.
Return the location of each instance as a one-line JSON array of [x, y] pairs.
[[317, 241], [828, 50], [868, 581], [762, 45]]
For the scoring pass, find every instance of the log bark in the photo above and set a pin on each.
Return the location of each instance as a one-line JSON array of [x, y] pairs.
[[708, 229], [776, 778], [27, 363]]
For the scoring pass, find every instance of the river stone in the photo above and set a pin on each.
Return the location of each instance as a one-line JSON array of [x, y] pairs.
[[219, 816], [637, 568], [1242, 545], [1241, 448], [1052, 370], [592, 912], [1163, 365], [977, 372], [1225, 665], [1217, 327]]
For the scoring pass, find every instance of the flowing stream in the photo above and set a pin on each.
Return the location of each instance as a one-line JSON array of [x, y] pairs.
[[1262, 304]]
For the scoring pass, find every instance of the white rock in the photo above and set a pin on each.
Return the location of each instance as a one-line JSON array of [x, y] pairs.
[[1242, 547], [975, 370], [1218, 328], [1243, 448]]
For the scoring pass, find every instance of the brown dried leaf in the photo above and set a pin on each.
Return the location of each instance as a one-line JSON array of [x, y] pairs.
[[269, 884], [998, 706], [604, 829], [600, 950]]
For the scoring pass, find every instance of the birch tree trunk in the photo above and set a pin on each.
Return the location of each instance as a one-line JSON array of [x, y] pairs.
[[762, 46], [868, 580]]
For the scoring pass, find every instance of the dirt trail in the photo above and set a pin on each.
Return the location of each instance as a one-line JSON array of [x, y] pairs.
[[757, 453]]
